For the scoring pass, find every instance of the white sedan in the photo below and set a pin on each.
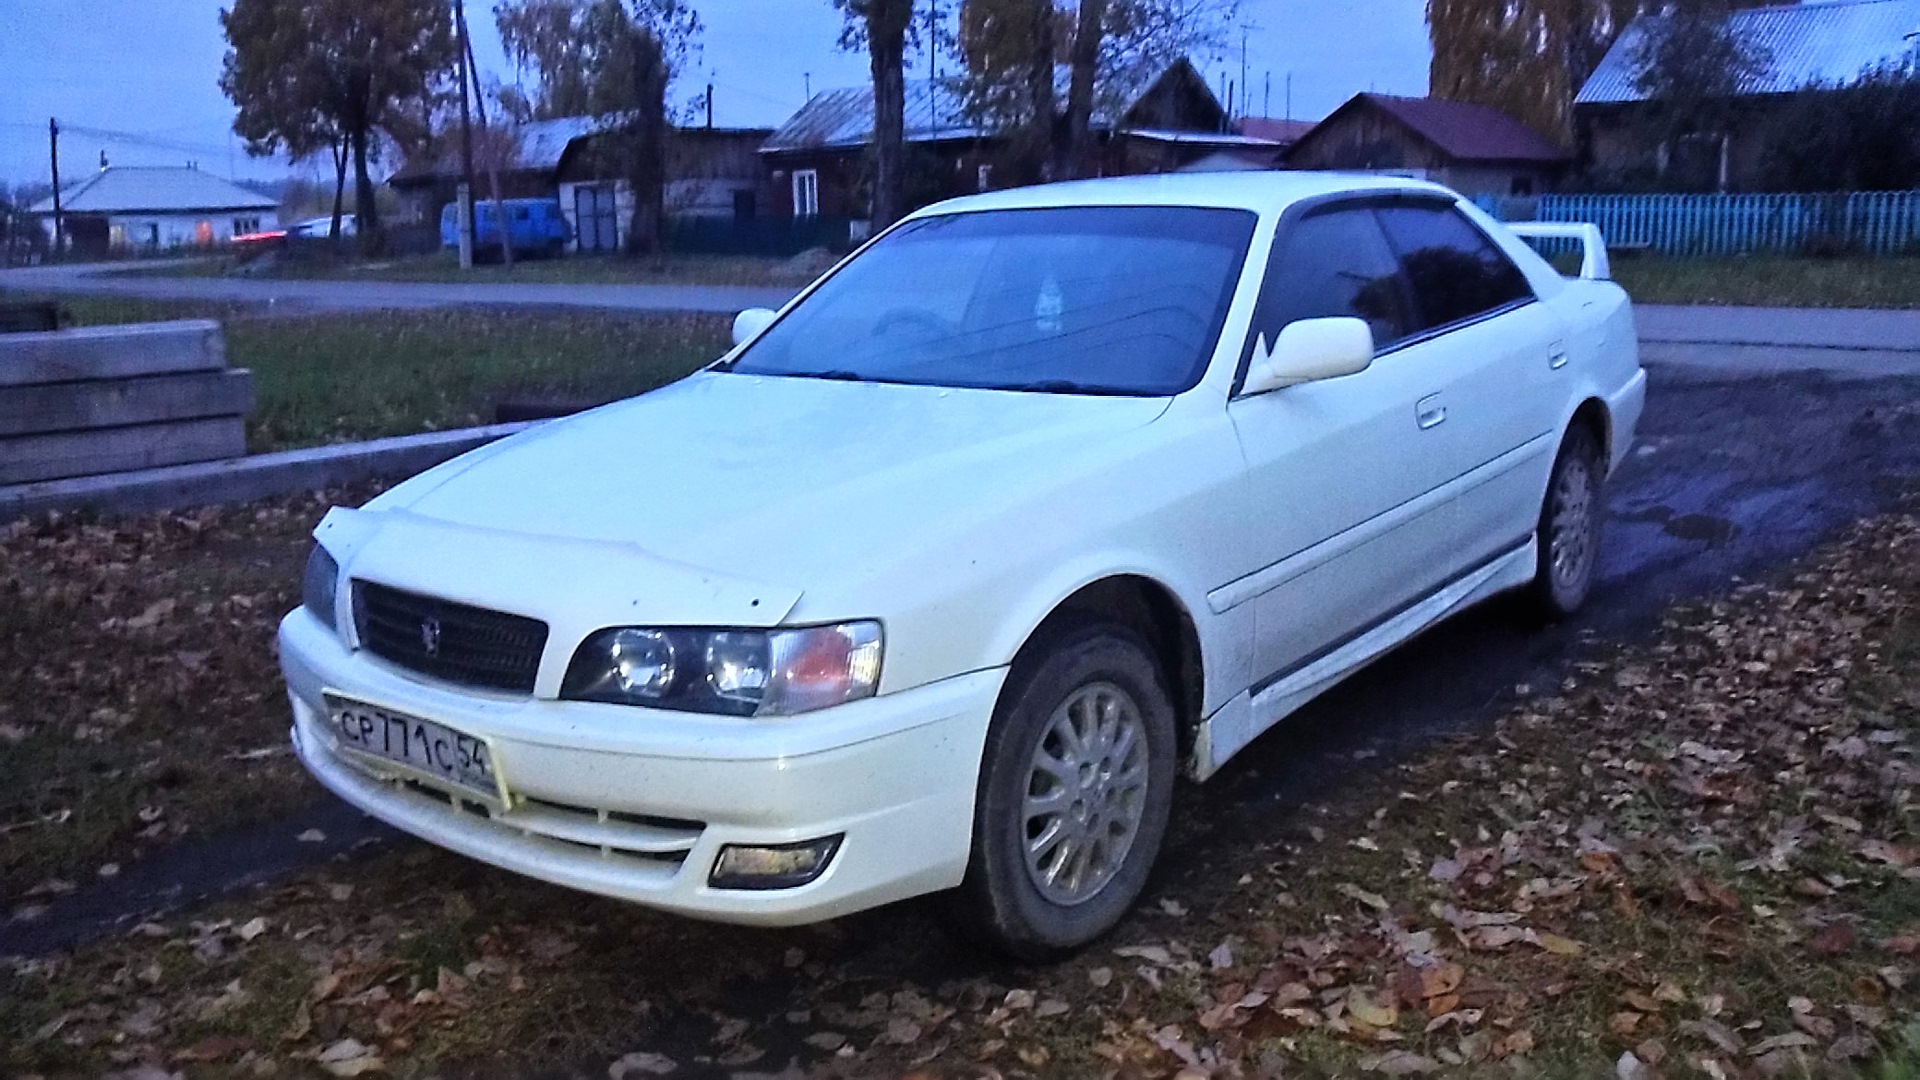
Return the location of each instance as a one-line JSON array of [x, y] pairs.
[[944, 573]]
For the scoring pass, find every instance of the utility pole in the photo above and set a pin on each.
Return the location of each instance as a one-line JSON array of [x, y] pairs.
[[709, 106], [500, 223], [1289, 95], [933, 31], [1266, 96], [53, 153], [463, 200], [1243, 70], [808, 76]]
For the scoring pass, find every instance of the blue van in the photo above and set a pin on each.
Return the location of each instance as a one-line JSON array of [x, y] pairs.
[[534, 227]]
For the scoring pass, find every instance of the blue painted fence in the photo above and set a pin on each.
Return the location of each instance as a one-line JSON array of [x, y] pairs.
[[1881, 222]]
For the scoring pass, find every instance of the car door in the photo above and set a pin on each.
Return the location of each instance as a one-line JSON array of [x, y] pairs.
[[1336, 470], [1483, 354]]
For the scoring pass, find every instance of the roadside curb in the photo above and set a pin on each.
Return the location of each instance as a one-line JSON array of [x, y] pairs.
[[254, 477]]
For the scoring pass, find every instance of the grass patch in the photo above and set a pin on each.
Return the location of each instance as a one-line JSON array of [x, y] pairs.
[[1715, 876], [347, 376], [339, 378], [1773, 281]]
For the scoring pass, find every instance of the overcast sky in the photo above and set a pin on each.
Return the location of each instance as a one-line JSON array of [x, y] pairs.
[[148, 68]]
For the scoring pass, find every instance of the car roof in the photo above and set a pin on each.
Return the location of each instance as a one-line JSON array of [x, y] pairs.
[[1264, 192]]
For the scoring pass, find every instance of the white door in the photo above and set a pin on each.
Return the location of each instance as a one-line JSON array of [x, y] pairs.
[[1485, 352], [806, 193], [1338, 471]]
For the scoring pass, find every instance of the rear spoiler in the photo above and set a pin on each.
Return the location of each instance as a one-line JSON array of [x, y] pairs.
[[1593, 255]]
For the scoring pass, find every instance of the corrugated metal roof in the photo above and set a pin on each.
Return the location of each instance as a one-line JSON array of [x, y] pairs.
[[1805, 43], [125, 189], [1203, 138], [1285, 132], [538, 147], [935, 110]]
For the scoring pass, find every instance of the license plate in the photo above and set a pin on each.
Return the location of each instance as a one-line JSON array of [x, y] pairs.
[[421, 746]]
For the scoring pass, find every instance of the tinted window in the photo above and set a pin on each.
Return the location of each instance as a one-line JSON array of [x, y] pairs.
[[1115, 299], [1455, 270], [1334, 263]]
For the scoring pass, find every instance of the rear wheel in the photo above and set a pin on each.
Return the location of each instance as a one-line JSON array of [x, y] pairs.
[[1075, 790], [1568, 536]]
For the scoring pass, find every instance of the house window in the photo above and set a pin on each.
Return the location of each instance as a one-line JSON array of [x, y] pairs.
[[984, 178], [1522, 185], [245, 225], [806, 193]]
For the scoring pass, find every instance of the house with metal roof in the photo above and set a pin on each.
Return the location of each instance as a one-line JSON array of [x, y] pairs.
[[1476, 149], [123, 207], [711, 173], [1819, 43], [1157, 121]]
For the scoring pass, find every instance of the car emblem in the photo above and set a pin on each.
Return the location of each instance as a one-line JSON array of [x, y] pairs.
[[430, 634]]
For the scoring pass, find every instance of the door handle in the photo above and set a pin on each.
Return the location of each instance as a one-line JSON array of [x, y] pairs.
[[1557, 355], [1429, 412]]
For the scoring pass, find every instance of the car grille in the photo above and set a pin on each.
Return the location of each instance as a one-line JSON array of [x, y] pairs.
[[455, 642]]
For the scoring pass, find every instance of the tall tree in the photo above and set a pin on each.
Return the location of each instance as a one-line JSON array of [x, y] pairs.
[[307, 74], [1529, 58], [883, 25], [609, 58], [1011, 50]]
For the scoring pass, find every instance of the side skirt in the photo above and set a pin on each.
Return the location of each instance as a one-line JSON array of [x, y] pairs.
[[1252, 712]]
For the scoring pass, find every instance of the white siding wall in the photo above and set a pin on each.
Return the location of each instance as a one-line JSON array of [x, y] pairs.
[[184, 230]]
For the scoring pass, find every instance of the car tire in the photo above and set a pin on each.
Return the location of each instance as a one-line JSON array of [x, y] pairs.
[[1567, 539], [1083, 745]]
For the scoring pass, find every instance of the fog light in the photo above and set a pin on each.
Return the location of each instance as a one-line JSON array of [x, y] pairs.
[[781, 866]]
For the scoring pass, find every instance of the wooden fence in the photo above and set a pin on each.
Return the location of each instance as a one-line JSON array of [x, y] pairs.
[[1876, 222], [112, 398]]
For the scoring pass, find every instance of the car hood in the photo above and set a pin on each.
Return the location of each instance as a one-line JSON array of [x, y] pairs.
[[772, 478]]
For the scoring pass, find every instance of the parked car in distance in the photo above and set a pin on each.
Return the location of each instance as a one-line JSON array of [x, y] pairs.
[[534, 227], [941, 575], [321, 228]]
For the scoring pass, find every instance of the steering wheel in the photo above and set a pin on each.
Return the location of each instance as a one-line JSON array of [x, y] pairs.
[[912, 322]]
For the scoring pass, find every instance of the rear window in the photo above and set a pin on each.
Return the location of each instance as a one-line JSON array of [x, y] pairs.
[[1455, 270]]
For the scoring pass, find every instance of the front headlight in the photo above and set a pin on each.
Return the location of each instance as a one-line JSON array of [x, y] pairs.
[[737, 672], [318, 587]]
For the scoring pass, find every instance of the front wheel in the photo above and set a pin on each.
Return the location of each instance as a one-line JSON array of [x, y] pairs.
[[1075, 791], [1568, 536]]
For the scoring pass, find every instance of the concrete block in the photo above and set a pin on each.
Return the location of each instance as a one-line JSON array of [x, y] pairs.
[[111, 352], [247, 478], [105, 403], [49, 456]]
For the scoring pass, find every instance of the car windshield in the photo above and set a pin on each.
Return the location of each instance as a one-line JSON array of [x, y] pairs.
[[1091, 300]]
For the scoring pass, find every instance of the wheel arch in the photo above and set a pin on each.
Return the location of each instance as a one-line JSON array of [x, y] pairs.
[[1151, 609], [1594, 415]]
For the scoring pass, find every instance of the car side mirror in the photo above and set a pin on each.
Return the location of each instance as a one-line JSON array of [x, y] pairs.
[[748, 324], [1307, 351]]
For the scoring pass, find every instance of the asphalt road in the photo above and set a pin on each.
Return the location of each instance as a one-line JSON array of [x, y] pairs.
[[99, 280]]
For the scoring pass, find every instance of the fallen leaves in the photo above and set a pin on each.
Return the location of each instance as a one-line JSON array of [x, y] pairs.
[[1734, 791]]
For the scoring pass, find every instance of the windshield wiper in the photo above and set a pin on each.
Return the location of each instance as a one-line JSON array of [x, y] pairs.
[[1063, 386], [840, 374]]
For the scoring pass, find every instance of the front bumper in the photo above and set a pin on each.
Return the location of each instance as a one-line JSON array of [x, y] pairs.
[[636, 804]]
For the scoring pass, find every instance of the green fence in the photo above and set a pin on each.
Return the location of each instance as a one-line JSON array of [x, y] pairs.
[[1879, 222], [758, 236]]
